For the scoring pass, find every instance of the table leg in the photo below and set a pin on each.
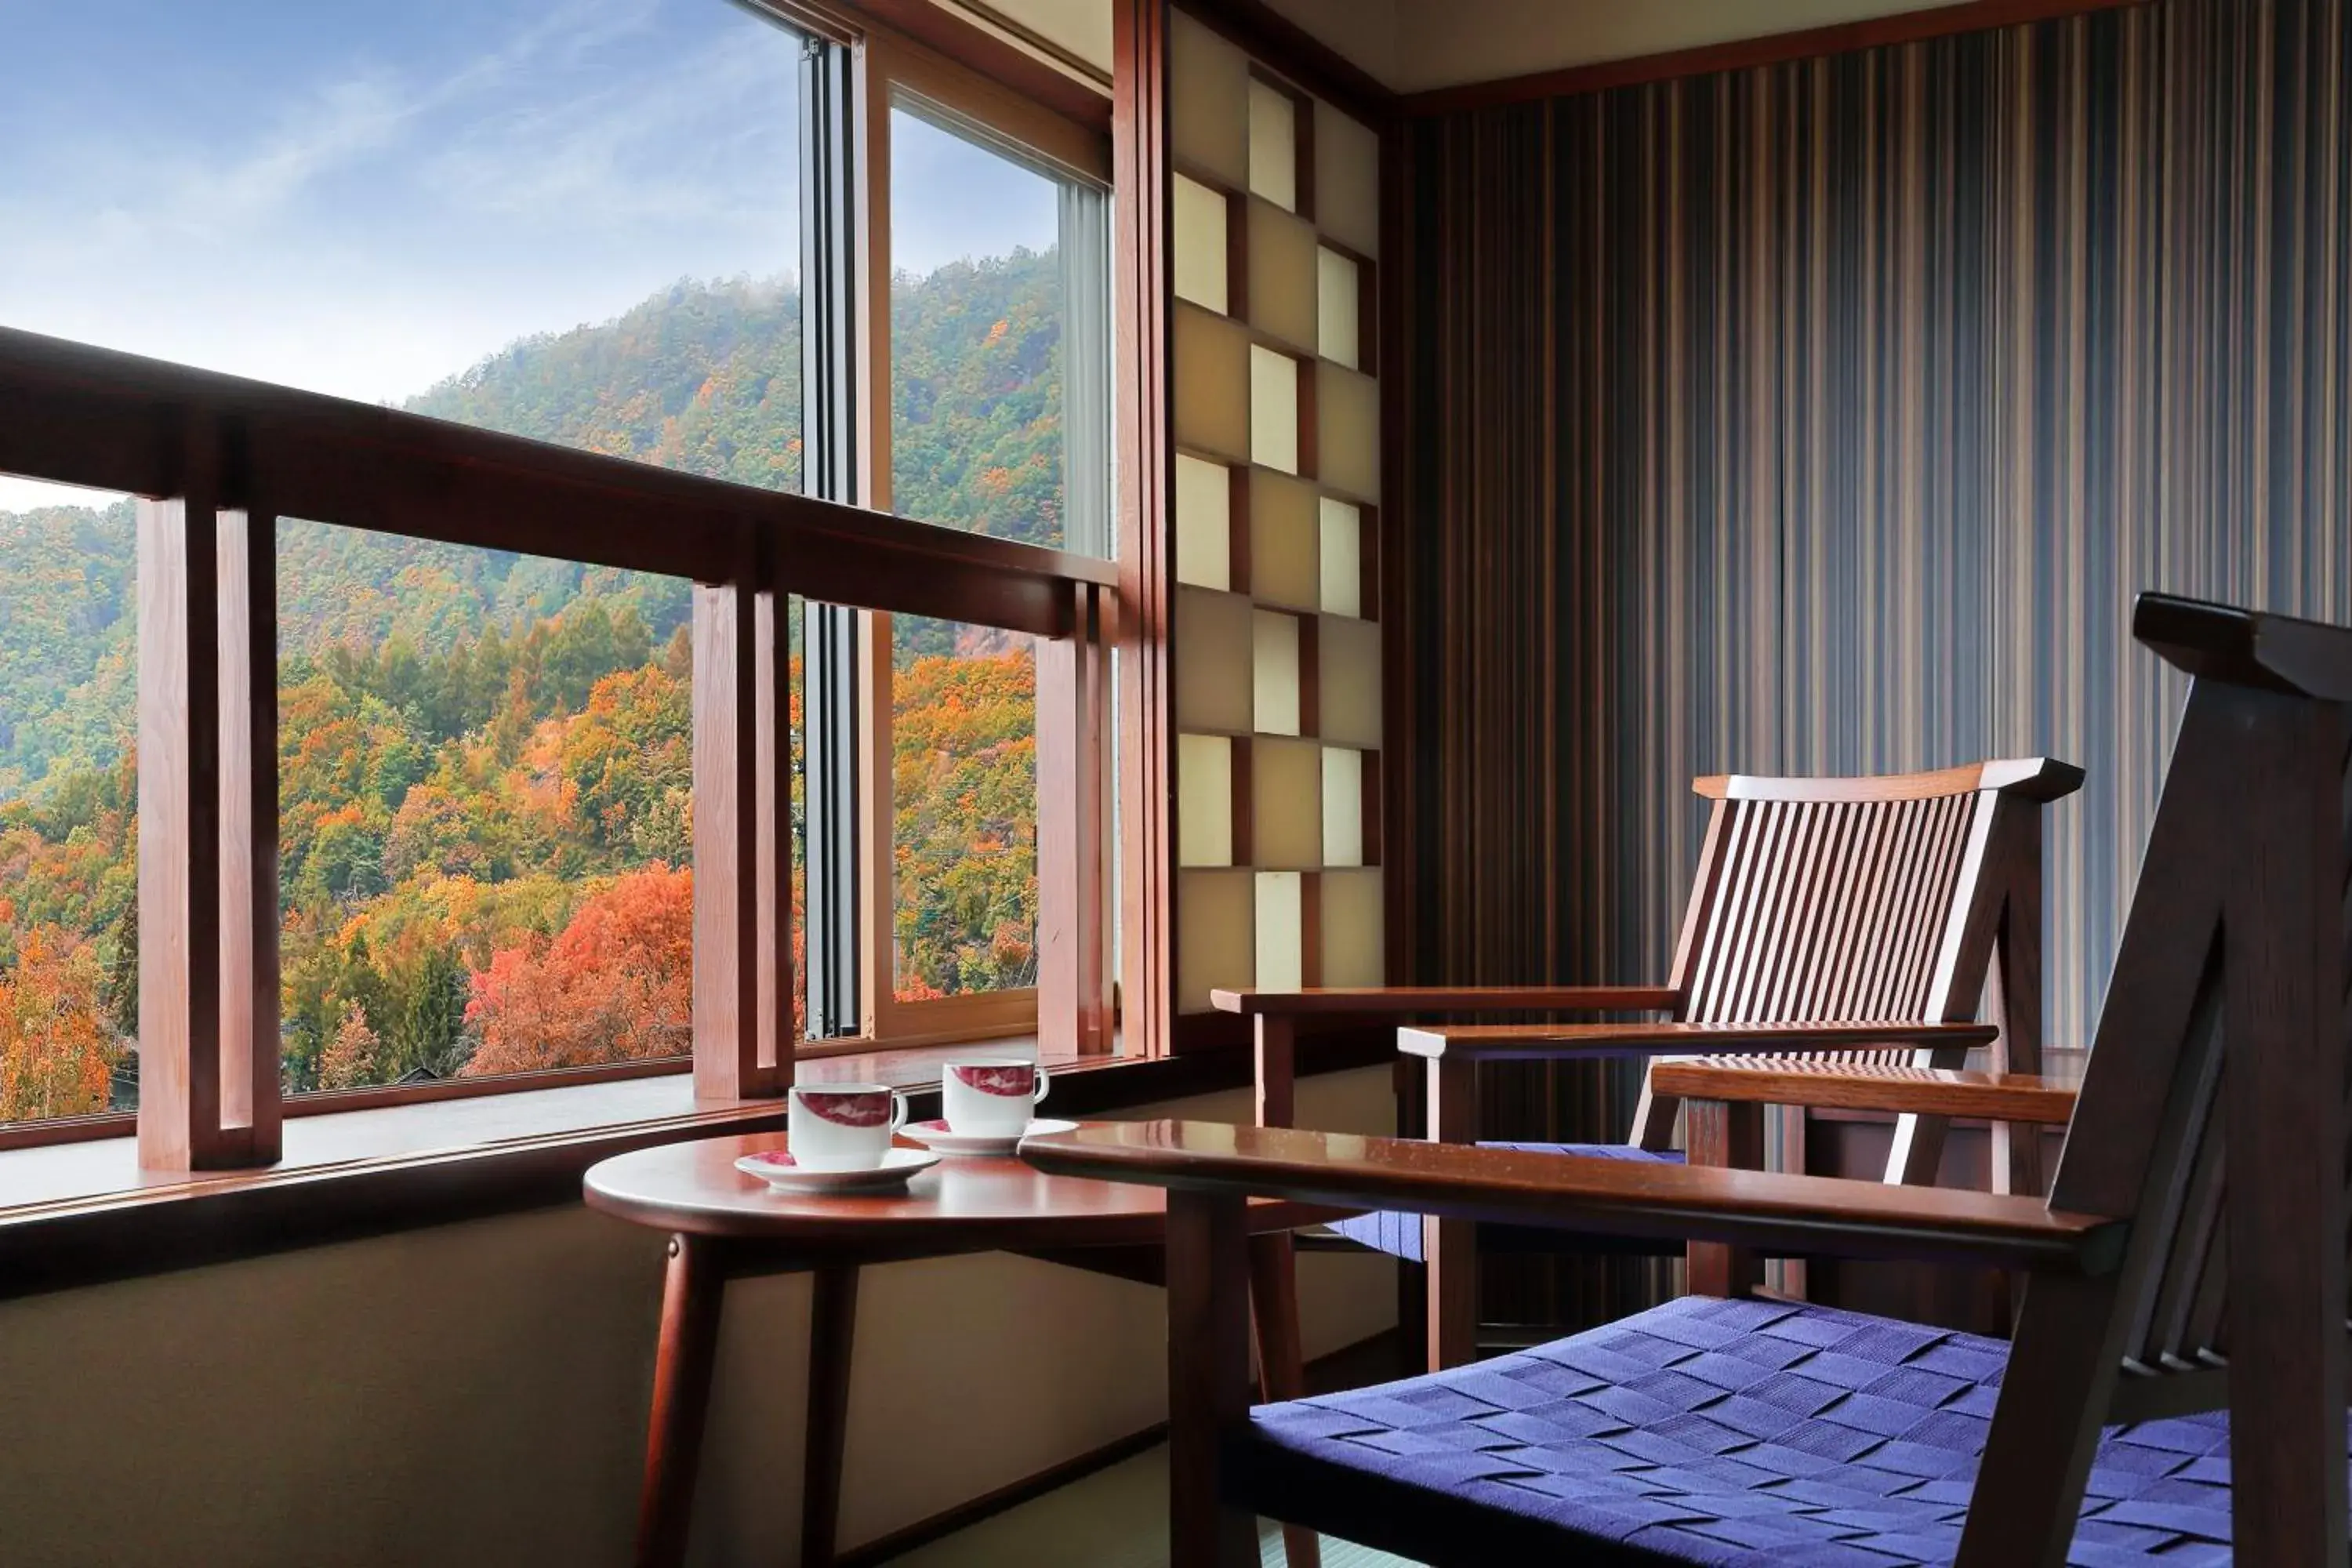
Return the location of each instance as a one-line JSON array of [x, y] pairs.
[[1208, 1377], [832, 1328], [1281, 1367], [692, 1291]]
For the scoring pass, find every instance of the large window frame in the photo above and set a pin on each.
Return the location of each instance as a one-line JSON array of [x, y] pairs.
[[220, 459]]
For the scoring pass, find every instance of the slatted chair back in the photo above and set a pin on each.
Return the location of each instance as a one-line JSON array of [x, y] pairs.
[[1898, 897], [2213, 1113]]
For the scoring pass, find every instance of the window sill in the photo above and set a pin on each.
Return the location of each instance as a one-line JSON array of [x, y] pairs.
[[79, 1214]]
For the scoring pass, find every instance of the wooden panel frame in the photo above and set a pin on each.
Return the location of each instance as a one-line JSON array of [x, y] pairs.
[[1072, 1006], [1012, 58], [1143, 405], [745, 1032], [1072, 715], [207, 704]]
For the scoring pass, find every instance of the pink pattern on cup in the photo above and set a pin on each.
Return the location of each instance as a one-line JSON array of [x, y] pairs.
[[1017, 1081], [862, 1109]]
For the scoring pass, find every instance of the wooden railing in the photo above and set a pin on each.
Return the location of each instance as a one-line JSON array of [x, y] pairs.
[[220, 459]]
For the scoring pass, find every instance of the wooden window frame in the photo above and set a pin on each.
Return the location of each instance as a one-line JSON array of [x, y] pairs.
[[219, 458], [1072, 1004]]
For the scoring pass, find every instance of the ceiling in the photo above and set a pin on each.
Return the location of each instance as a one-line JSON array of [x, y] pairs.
[[1412, 45]]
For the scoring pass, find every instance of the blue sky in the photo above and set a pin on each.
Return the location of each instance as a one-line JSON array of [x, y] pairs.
[[362, 199]]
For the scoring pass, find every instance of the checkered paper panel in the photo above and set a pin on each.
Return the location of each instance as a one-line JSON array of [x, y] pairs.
[[1277, 413]]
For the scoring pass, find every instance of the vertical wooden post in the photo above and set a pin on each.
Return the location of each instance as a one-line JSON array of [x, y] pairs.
[[179, 833], [1450, 1247], [1278, 1069], [1142, 262], [249, 1085], [208, 1090], [1207, 1377], [743, 1024], [2013, 996], [1074, 1002], [2283, 1092], [1730, 1137]]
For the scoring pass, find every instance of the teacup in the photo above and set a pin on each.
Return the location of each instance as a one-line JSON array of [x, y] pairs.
[[991, 1097], [844, 1126]]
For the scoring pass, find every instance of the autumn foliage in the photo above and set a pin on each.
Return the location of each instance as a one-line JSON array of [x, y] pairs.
[[485, 760], [57, 1056], [617, 982], [964, 849]]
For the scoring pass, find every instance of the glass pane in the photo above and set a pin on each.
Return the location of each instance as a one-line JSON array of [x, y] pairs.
[[964, 789], [580, 227], [999, 341], [69, 804], [484, 799]]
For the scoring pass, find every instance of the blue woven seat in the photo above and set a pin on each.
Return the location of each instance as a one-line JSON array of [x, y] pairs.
[[1706, 1431], [1399, 1235]]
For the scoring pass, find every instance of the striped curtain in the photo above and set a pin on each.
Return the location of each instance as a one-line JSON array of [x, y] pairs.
[[1825, 417]]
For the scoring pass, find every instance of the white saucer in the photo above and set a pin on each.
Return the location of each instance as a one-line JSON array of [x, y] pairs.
[[935, 1136], [776, 1169]]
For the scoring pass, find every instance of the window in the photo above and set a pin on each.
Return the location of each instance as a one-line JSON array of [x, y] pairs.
[[583, 228], [633, 230], [998, 424], [68, 804], [999, 354], [963, 775]]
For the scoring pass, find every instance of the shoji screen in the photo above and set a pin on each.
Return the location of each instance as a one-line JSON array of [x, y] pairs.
[[1276, 411]]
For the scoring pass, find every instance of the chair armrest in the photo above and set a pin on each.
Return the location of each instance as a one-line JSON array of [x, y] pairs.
[[1801, 1215], [1552, 1042], [1864, 1085], [1409, 1001]]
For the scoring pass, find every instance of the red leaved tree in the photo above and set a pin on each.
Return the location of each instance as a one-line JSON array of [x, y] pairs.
[[616, 984]]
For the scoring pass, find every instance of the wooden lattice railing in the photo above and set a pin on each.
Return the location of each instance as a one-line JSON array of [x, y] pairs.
[[218, 459]]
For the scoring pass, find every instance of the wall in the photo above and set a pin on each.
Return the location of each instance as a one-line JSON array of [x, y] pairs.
[[478, 1394], [1825, 417]]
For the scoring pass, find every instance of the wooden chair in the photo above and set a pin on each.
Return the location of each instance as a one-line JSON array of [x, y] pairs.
[[1871, 918], [2186, 1278]]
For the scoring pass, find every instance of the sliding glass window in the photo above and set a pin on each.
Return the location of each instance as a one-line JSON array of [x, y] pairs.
[[998, 423], [582, 226]]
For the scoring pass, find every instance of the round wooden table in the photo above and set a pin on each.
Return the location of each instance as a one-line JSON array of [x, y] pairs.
[[724, 1225]]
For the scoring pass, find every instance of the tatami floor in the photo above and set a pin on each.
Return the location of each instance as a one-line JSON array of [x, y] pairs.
[[1116, 1517]]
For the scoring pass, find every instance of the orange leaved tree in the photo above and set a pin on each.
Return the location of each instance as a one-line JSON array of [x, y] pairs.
[[617, 982], [57, 1056]]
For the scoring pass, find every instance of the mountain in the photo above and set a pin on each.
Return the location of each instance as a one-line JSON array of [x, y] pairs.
[[704, 377], [485, 758]]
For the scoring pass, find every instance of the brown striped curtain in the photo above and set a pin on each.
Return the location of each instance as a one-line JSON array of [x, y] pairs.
[[1824, 417]]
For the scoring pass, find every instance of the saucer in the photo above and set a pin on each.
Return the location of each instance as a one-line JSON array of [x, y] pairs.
[[935, 1136], [777, 1169]]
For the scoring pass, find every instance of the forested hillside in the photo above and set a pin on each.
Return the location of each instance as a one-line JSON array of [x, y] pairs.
[[485, 759]]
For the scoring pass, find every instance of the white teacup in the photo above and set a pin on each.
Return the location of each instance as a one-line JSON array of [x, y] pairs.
[[844, 1126], [991, 1097]]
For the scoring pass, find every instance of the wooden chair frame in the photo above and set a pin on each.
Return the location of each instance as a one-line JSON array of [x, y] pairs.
[[2224, 1028], [1903, 958]]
